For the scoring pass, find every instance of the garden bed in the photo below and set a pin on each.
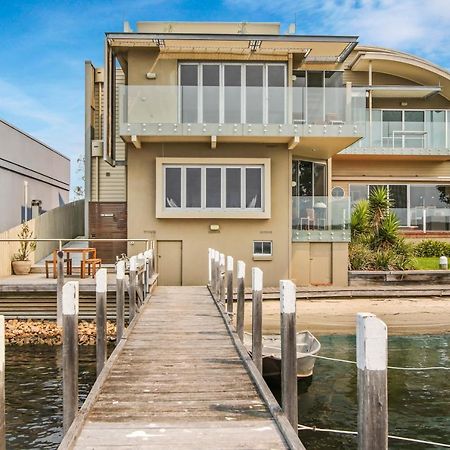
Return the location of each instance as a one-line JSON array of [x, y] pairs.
[[398, 277]]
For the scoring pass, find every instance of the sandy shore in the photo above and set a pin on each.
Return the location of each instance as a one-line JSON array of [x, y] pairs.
[[402, 315]]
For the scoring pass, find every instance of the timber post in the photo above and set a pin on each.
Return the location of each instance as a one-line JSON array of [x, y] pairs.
[[120, 300], [230, 264], [371, 362], [132, 291], [222, 279], [257, 290], [70, 352], [2, 385], [59, 286], [216, 273], [240, 308], [101, 278], [289, 351]]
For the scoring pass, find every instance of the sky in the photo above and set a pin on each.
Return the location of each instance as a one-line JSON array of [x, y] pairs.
[[43, 45]]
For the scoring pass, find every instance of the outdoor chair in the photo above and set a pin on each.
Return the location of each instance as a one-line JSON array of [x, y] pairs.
[[92, 265], [49, 262], [309, 220]]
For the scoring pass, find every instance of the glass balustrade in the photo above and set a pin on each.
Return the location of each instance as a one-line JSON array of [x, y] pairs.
[[320, 218], [394, 130], [240, 110]]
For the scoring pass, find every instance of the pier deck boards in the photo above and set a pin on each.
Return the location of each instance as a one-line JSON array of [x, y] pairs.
[[179, 382]]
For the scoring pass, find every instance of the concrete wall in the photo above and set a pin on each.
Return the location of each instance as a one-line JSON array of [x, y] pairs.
[[22, 158], [236, 236], [64, 222]]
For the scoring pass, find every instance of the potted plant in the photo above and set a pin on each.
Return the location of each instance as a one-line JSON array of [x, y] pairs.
[[21, 265]]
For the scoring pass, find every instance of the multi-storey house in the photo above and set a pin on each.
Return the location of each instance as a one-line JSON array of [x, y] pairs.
[[238, 137]]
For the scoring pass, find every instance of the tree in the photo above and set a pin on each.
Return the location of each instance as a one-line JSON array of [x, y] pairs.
[[375, 240]]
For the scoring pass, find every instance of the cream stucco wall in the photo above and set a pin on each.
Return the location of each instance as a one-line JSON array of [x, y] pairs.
[[236, 236]]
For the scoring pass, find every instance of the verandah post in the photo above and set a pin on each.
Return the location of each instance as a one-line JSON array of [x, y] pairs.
[[240, 308], [257, 290], [101, 278], [70, 352], [230, 265], [120, 300], [371, 362], [288, 351]]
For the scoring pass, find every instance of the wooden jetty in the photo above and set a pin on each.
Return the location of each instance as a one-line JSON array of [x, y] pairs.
[[180, 378]]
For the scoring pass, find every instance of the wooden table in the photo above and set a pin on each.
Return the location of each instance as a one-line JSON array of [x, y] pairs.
[[85, 252]]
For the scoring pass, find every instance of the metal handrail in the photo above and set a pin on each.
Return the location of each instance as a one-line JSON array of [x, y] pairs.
[[149, 243]]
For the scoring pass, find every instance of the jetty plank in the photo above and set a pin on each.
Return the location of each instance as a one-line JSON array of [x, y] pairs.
[[178, 381]]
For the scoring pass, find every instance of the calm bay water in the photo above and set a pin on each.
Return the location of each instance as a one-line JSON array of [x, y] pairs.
[[419, 402]]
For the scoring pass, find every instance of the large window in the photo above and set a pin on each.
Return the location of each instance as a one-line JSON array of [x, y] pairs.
[[213, 187], [233, 93], [422, 206]]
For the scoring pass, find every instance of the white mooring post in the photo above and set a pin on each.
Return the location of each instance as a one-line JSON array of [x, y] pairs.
[[59, 286], [230, 264], [257, 290], [289, 351], [371, 361], [216, 273], [70, 352], [213, 270], [148, 269], [101, 278], [209, 266], [2, 384], [120, 300], [222, 279], [132, 291], [240, 307]]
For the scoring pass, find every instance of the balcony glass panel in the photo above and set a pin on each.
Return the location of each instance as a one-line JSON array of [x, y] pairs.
[[146, 110], [320, 216]]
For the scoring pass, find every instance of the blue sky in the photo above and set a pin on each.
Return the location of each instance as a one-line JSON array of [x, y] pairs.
[[43, 45]]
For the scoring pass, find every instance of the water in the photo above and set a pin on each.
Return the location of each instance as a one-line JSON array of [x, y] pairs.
[[419, 402], [34, 394]]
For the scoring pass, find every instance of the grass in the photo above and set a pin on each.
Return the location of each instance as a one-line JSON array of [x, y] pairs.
[[427, 263]]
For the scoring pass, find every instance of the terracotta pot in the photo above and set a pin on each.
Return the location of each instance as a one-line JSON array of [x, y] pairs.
[[21, 267]]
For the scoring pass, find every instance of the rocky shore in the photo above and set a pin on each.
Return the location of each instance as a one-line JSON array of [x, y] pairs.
[[34, 332]]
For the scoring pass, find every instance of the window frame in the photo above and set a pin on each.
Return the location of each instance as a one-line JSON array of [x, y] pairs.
[[162, 211], [262, 255]]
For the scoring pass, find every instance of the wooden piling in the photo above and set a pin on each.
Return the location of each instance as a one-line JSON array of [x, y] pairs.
[[240, 308], [289, 351], [210, 266], [101, 279], [222, 279], [230, 265], [59, 286], [70, 352], [120, 300], [371, 362], [257, 290], [132, 291], [2, 385], [217, 273]]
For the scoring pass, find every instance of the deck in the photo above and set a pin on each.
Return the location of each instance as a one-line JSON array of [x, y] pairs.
[[180, 379]]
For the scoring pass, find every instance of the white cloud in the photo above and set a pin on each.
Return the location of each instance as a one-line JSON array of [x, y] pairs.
[[415, 26]]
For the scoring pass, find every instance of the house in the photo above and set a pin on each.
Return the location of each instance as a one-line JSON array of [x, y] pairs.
[[34, 178], [241, 138]]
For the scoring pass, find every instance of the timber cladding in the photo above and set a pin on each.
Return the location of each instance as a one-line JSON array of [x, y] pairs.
[[108, 220]]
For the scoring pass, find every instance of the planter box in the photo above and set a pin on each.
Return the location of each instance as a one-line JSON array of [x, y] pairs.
[[398, 277]]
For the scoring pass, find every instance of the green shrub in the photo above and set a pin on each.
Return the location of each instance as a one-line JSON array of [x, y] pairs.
[[432, 248], [360, 257]]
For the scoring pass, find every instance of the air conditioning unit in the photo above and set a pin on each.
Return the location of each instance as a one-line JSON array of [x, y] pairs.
[[97, 148]]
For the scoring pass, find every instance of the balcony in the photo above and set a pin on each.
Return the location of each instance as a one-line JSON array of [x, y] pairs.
[[320, 219], [297, 116], [405, 132]]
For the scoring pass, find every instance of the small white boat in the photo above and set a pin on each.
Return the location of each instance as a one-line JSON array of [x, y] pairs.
[[307, 346]]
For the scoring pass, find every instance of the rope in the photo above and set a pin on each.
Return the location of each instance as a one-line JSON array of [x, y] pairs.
[[389, 367], [354, 433]]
